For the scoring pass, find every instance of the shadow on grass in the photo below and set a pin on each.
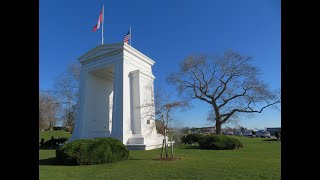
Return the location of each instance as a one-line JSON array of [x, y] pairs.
[[47, 148], [270, 140], [135, 159], [49, 161], [190, 147], [53, 162]]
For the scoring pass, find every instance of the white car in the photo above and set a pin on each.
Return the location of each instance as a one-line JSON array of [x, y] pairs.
[[238, 134], [263, 134], [229, 133], [248, 134]]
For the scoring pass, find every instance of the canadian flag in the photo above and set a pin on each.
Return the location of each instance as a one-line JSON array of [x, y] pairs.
[[97, 26]]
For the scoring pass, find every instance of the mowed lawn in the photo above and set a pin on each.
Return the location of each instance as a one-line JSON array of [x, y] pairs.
[[259, 159], [46, 135]]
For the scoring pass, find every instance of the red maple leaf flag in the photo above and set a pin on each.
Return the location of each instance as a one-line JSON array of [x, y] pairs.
[[97, 26]]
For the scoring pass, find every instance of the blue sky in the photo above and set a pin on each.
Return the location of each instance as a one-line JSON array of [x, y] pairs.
[[166, 31]]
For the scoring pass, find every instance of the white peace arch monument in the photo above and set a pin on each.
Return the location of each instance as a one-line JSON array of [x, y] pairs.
[[116, 82]]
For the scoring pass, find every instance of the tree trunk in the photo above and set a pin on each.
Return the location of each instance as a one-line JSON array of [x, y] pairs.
[[171, 148], [50, 126], [167, 155], [218, 127], [166, 145], [162, 149]]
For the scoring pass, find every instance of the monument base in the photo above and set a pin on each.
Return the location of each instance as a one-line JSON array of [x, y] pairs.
[[143, 146], [136, 139], [138, 142]]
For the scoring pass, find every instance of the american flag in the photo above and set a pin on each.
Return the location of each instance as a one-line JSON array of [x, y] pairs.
[[127, 37]]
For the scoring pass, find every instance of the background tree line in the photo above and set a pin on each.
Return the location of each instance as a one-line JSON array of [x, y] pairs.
[[58, 106]]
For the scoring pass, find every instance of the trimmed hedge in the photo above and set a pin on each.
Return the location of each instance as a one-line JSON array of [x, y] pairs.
[[92, 151], [52, 143], [219, 142], [192, 137]]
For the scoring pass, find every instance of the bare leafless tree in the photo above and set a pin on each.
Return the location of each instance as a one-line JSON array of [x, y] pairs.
[[164, 115], [48, 110], [161, 109], [229, 84], [232, 120], [67, 90], [159, 127]]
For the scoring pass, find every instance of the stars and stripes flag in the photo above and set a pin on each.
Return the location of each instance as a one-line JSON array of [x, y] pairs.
[[97, 26], [127, 37]]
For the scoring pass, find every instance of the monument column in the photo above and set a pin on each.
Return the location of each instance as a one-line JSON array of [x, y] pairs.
[[135, 102], [78, 124], [136, 107], [117, 115]]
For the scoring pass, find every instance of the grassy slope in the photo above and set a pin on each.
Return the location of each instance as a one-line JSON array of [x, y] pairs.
[[257, 160]]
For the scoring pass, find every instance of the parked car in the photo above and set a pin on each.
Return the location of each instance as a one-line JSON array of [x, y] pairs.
[[258, 133], [263, 134], [238, 133], [229, 133], [248, 134]]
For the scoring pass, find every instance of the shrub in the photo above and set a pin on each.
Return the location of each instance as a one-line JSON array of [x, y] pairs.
[[61, 140], [195, 137], [192, 137], [58, 128], [69, 129], [52, 143], [92, 151], [184, 139], [219, 142]]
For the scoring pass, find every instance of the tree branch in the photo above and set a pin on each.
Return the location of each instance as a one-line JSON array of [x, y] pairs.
[[247, 110], [233, 97], [224, 86]]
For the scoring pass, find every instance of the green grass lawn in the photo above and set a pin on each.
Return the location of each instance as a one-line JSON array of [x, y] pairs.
[[46, 135], [259, 159]]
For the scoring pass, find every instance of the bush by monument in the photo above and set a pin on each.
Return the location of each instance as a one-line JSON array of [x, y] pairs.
[[52, 143], [92, 151], [192, 137], [219, 142]]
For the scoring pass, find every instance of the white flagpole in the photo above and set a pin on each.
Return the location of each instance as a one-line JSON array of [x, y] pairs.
[[102, 21], [130, 35]]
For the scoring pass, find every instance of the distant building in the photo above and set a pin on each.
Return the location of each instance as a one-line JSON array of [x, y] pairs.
[[209, 130], [272, 130], [228, 129]]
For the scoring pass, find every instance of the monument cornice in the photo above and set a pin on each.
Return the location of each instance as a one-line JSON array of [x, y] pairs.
[[136, 72], [107, 50], [101, 58], [138, 54]]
